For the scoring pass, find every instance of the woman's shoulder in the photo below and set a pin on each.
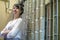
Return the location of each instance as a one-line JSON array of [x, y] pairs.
[[19, 18]]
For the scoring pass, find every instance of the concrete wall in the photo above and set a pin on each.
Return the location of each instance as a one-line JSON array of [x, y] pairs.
[[3, 15], [59, 18], [47, 1]]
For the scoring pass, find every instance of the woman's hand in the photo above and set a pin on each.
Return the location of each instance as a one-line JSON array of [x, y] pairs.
[[6, 31]]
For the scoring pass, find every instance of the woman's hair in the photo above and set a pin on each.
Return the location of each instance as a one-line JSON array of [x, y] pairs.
[[20, 6]]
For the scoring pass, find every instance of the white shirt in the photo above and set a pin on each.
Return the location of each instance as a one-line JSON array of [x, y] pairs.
[[18, 30]]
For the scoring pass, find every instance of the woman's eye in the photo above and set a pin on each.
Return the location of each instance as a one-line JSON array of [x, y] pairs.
[[13, 8]]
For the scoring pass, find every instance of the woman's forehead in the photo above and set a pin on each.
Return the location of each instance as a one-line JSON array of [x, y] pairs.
[[16, 7]]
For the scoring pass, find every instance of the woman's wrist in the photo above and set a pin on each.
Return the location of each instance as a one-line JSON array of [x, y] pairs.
[[6, 32]]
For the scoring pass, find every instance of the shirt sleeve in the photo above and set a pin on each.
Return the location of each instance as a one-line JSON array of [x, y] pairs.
[[17, 27], [6, 27]]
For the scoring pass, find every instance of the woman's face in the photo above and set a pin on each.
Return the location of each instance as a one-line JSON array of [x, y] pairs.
[[16, 11]]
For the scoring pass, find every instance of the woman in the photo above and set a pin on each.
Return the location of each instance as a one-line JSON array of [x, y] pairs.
[[15, 29]]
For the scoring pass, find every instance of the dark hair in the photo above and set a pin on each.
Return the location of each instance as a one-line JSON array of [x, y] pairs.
[[20, 6]]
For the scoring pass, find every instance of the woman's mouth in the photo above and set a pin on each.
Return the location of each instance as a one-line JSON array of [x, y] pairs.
[[14, 12]]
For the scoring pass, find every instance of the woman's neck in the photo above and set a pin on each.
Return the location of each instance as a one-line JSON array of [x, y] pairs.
[[16, 17]]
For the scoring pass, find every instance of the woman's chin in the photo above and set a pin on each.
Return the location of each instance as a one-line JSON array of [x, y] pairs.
[[14, 12]]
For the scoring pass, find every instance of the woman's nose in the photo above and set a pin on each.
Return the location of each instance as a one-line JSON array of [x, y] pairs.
[[14, 9]]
